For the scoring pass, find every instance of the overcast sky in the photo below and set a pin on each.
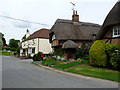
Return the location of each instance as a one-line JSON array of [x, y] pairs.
[[47, 12]]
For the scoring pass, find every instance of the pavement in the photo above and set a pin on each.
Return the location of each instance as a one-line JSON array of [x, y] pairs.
[[17, 73]]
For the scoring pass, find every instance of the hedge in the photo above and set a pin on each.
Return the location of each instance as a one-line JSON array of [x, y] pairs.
[[105, 54]]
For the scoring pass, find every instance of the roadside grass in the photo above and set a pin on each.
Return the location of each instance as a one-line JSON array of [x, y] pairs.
[[68, 65], [6, 53], [101, 73]]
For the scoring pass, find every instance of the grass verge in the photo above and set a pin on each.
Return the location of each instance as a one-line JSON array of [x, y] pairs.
[[68, 65], [101, 73], [6, 53]]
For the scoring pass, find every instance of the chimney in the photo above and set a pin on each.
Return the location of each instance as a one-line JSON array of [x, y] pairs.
[[27, 33], [75, 17]]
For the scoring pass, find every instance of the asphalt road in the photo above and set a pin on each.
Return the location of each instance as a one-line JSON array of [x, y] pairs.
[[20, 74]]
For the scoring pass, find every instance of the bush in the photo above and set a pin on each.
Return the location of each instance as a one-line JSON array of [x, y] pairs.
[[97, 53], [37, 57], [115, 58], [105, 54], [81, 52]]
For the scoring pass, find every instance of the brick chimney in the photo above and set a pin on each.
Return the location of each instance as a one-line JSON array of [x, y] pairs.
[[75, 17]]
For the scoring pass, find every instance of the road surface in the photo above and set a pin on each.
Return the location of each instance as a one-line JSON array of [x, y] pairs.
[[20, 74]]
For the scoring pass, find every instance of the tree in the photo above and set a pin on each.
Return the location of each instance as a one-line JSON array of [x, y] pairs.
[[13, 43], [3, 39], [24, 37]]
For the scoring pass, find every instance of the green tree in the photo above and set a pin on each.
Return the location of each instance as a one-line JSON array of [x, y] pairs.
[[13, 43], [24, 37]]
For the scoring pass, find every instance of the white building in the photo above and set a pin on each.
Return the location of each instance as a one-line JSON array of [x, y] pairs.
[[36, 42]]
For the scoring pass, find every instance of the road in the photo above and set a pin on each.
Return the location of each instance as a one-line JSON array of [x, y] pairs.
[[19, 74]]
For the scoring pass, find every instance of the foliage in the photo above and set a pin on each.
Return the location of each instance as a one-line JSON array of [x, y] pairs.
[[105, 54], [115, 58], [49, 61], [13, 43], [79, 59], [82, 51], [24, 37], [6, 53], [3, 39], [58, 51], [97, 53], [37, 57]]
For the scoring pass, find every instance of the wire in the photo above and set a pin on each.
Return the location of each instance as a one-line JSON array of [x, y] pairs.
[[24, 20]]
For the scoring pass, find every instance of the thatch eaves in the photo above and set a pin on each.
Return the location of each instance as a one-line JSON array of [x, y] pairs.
[[113, 18], [69, 30]]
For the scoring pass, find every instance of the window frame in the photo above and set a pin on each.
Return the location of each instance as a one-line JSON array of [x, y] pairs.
[[116, 31]]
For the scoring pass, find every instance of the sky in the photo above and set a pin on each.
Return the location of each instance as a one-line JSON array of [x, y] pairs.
[[45, 12]]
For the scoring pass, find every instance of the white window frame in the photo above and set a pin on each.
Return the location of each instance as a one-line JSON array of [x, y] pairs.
[[53, 37], [118, 31]]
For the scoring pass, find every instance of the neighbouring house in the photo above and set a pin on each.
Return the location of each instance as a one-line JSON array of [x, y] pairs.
[[36, 42], [74, 30], [110, 31]]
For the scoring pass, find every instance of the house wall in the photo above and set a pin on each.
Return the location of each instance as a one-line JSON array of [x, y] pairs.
[[44, 46], [109, 37], [40, 45]]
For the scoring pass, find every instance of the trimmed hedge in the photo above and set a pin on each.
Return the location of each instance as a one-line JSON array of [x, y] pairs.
[[105, 54], [97, 53]]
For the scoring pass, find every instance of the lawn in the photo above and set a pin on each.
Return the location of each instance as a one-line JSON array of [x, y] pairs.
[[102, 73], [68, 65], [6, 53]]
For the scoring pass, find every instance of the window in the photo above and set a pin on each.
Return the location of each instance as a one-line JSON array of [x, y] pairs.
[[53, 37], [33, 50], [116, 31]]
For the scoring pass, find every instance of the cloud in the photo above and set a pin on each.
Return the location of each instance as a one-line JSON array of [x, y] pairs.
[[20, 24]]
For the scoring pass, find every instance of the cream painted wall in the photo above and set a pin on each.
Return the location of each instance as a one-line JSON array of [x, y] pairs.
[[45, 46], [40, 45]]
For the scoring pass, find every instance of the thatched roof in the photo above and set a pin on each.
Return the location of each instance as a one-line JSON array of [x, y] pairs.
[[113, 18], [69, 30], [42, 33], [69, 44]]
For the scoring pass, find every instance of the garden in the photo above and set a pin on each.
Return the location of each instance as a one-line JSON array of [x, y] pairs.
[[100, 61]]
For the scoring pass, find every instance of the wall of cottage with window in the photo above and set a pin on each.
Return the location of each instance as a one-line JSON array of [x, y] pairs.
[[31, 47]]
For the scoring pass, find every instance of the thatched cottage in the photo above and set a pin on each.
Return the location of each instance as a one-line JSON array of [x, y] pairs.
[[110, 31], [74, 29]]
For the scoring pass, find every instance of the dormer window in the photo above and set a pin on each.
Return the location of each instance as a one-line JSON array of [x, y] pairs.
[[116, 31], [53, 37]]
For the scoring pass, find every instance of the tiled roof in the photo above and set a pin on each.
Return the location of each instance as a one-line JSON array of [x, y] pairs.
[[42, 33]]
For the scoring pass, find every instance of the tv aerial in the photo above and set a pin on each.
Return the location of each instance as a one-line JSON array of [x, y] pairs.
[[73, 5]]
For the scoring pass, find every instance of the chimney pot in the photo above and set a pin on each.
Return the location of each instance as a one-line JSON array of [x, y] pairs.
[[75, 17]]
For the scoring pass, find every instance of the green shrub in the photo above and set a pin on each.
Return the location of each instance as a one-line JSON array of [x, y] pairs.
[[37, 57], [97, 53], [105, 54], [115, 57], [79, 59], [81, 52]]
